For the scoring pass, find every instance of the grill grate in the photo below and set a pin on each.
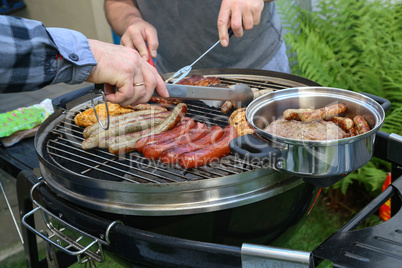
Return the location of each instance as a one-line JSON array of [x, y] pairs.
[[64, 148]]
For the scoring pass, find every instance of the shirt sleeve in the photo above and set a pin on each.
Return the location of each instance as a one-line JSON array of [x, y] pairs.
[[34, 56]]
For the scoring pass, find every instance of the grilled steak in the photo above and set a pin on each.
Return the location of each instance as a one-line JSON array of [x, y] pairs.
[[317, 130]]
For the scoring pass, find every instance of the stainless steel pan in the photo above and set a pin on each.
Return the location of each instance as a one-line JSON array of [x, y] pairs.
[[317, 159]]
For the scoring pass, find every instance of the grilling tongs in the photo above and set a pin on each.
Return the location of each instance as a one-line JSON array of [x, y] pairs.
[[239, 94], [183, 72]]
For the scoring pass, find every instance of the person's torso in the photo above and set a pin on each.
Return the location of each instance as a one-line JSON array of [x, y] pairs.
[[186, 29]]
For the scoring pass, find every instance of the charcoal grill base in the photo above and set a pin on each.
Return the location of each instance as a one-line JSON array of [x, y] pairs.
[[226, 229], [266, 220]]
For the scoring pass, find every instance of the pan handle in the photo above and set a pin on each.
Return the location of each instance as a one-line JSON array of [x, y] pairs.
[[251, 148], [385, 104]]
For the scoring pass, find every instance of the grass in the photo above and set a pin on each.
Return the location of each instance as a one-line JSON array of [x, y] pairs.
[[319, 225]]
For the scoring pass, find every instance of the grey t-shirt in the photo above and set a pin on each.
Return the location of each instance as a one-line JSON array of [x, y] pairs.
[[186, 29]]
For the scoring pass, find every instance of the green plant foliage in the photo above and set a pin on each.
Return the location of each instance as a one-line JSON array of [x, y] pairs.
[[355, 45]]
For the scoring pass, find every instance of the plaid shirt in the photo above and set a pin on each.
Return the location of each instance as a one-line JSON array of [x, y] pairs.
[[33, 56]]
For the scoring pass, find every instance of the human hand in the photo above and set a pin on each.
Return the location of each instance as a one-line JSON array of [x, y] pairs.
[[239, 15], [138, 34], [123, 67]]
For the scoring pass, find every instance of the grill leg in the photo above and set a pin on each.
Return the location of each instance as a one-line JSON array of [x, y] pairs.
[[24, 184]]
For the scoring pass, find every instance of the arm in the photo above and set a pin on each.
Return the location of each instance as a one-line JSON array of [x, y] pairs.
[[238, 14], [35, 56], [126, 21], [31, 59]]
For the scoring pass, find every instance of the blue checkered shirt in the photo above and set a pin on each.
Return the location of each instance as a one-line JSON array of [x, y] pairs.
[[33, 56]]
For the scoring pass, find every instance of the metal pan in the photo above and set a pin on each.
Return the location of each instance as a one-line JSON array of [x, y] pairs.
[[316, 159]]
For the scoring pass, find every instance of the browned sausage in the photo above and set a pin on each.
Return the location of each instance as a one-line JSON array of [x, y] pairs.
[[165, 102], [183, 127], [107, 142], [128, 144], [226, 107], [115, 120], [129, 127], [211, 152], [154, 150], [294, 114], [353, 131], [361, 124], [323, 113], [343, 122], [146, 106], [171, 155]]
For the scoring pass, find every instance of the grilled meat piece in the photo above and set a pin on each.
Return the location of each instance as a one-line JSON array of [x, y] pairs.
[[298, 130], [87, 117]]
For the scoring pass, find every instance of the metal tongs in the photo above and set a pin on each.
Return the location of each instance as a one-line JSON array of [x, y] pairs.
[[183, 72], [100, 89]]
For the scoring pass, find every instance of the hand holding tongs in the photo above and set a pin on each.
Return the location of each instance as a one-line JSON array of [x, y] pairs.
[[100, 89], [183, 72]]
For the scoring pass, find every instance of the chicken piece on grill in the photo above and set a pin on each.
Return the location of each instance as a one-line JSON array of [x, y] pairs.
[[239, 121], [87, 117]]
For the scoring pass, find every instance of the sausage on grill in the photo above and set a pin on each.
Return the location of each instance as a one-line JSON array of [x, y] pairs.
[[171, 155], [128, 144], [210, 153], [146, 106], [323, 113], [154, 150], [226, 107], [113, 128], [128, 127], [183, 127], [117, 120]]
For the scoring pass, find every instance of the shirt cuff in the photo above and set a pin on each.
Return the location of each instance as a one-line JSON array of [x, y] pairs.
[[76, 61]]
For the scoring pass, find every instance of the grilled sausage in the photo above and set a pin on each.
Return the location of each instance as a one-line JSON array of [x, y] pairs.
[[107, 142], [183, 127], [165, 102], [171, 155], [129, 127], [127, 122], [343, 122], [353, 131], [191, 80], [226, 107], [116, 120], [323, 113], [361, 124], [154, 150], [211, 152], [294, 114], [128, 144], [261, 92], [146, 106]]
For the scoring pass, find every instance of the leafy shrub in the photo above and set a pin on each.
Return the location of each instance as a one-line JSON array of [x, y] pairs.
[[355, 45]]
